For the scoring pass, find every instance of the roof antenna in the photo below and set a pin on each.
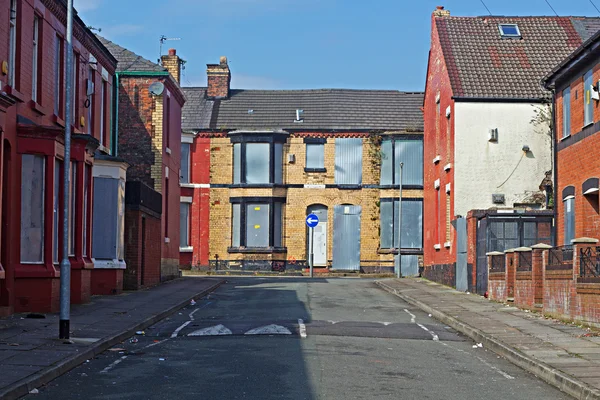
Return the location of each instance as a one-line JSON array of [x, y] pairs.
[[595, 6], [163, 39], [552, 8], [486, 7]]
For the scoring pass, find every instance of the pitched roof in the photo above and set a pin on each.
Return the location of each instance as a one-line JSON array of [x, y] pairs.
[[482, 64], [128, 60], [323, 109]]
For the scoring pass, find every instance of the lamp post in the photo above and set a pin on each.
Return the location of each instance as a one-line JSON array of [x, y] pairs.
[[65, 265]]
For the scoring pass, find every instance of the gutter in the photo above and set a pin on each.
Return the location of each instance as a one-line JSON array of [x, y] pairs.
[[115, 122], [554, 167]]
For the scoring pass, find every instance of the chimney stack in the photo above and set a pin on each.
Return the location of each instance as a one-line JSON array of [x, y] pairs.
[[172, 63], [440, 12], [219, 79]]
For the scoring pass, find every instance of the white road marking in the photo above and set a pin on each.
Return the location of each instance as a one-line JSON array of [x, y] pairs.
[[302, 328], [191, 315], [498, 370], [332, 322], [386, 323], [176, 331], [216, 330], [113, 364], [269, 330], [412, 316], [433, 335]]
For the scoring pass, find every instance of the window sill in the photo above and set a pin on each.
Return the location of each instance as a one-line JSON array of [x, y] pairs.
[[315, 170], [447, 245], [257, 250], [257, 185], [167, 150], [564, 138], [405, 251], [437, 246], [349, 187], [58, 121], [588, 124], [35, 106], [14, 93], [167, 240], [188, 249]]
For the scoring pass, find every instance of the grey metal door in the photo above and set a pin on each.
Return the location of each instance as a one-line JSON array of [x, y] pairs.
[[409, 265], [461, 255], [482, 267], [346, 237]]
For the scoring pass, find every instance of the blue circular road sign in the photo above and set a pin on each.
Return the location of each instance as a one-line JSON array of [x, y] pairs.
[[312, 220]]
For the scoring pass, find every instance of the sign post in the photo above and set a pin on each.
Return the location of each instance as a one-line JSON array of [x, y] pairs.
[[311, 221]]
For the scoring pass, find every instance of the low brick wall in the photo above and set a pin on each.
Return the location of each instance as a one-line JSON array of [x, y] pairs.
[[497, 286], [524, 290], [558, 288], [441, 273]]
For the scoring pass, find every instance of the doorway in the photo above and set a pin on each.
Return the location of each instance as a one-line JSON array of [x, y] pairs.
[[319, 235], [346, 237]]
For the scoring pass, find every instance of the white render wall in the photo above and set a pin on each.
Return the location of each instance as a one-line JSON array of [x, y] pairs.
[[481, 166]]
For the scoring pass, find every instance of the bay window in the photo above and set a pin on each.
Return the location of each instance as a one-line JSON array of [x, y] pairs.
[[257, 222], [32, 208]]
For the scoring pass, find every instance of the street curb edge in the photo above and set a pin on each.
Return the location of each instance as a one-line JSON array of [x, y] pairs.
[[24, 386]]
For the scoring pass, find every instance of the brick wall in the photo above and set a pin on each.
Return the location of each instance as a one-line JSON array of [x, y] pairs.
[[138, 274], [438, 141]]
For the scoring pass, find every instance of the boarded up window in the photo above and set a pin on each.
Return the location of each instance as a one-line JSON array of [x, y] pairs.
[[257, 163], [32, 208], [237, 163], [257, 225], [410, 153], [569, 229], [106, 192], [315, 155], [185, 163], [235, 225], [412, 224], [348, 161], [184, 225]]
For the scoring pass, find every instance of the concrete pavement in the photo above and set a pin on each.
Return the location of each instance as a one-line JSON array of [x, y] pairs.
[[564, 355], [31, 354]]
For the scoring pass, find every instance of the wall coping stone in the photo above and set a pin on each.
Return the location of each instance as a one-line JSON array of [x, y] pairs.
[[494, 253], [522, 249], [509, 251], [542, 246], [584, 240]]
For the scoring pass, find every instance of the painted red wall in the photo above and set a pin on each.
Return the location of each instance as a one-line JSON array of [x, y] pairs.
[[438, 140]]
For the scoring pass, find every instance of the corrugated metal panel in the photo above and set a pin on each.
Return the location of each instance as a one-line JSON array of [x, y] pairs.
[[386, 177], [277, 224], [387, 225], [348, 161], [346, 237], [278, 165], [461, 257], [237, 163], [409, 152], [104, 226], [412, 223], [236, 224], [184, 228], [410, 265]]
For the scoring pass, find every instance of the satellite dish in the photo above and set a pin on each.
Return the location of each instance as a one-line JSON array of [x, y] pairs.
[[156, 88]]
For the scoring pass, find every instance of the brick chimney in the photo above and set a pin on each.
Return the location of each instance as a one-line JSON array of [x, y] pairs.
[[219, 79], [172, 63], [440, 12]]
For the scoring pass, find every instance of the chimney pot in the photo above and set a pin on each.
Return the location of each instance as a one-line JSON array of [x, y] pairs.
[[223, 60], [440, 7], [172, 52]]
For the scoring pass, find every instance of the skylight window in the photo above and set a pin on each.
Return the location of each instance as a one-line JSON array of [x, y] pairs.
[[509, 30]]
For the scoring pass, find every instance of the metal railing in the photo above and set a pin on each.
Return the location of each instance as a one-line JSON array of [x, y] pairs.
[[589, 262], [498, 264], [525, 261], [560, 258]]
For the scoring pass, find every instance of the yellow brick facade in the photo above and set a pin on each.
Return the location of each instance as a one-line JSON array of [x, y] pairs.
[[298, 199]]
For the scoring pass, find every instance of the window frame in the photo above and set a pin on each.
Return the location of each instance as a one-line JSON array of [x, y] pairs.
[[588, 105], [90, 112], [103, 124], [315, 142], [393, 140], [394, 201], [239, 171], [509, 35], [566, 111], [12, 44], [242, 203], [36, 58], [185, 176], [187, 245], [569, 219], [59, 74]]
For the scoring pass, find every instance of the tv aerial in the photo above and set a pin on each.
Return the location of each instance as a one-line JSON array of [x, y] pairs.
[[163, 39]]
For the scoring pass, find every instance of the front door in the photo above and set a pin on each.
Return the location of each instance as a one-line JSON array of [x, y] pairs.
[[346, 237], [320, 235]]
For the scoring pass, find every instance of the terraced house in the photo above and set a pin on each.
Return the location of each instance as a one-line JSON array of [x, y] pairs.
[[256, 162]]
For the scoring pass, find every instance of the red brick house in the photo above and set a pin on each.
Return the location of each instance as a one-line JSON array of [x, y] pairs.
[[574, 83], [149, 140], [32, 122], [488, 167]]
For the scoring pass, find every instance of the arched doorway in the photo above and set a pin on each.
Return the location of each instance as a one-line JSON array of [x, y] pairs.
[[319, 235]]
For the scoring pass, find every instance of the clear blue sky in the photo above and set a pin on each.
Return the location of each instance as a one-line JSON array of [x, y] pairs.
[[297, 44]]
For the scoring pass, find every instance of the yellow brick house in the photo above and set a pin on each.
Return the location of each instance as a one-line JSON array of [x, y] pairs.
[[259, 161]]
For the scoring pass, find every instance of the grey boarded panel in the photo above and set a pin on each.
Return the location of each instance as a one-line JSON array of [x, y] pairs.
[[104, 228], [409, 264], [482, 267], [409, 152], [346, 237], [461, 256], [348, 161]]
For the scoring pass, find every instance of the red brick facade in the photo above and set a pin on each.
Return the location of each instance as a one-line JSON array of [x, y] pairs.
[[142, 249], [40, 132], [438, 149]]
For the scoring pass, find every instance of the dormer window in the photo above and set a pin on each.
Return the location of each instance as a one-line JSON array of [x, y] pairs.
[[509, 31]]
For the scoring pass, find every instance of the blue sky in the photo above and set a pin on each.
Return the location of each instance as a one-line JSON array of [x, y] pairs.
[[298, 44]]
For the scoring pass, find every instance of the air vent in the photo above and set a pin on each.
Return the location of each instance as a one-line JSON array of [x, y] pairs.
[[493, 135], [498, 198]]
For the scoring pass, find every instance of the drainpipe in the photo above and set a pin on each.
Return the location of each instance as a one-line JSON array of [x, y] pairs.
[[115, 141], [554, 151]]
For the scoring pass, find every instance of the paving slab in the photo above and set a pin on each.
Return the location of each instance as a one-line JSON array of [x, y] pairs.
[[561, 354], [31, 354]]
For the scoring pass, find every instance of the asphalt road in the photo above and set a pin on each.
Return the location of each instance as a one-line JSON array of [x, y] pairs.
[[298, 338]]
